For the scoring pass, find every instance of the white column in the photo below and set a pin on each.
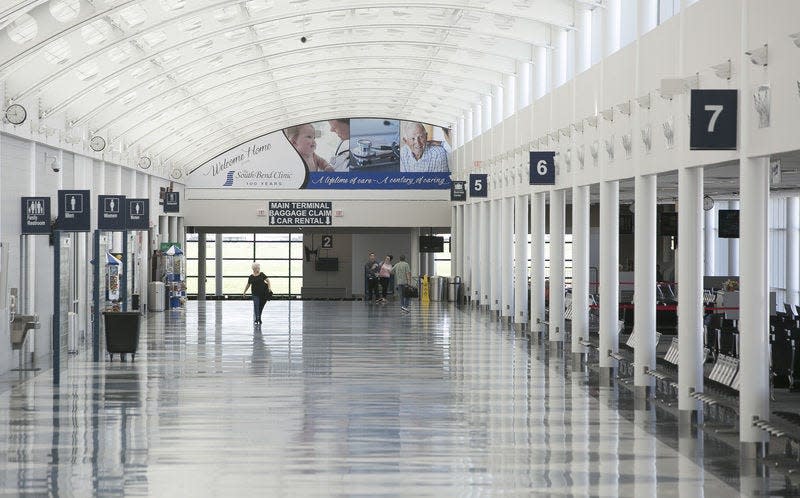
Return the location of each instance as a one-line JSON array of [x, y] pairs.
[[540, 72], [733, 246], [218, 264], [486, 109], [647, 13], [509, 95], [524, 88], [173, 228], [644, 260], [580, 267], [583, 40], [477, 120], [612, 27], [556, 317], [486, 235], [475, 252], [710, 245], [498, 99], [495, 272], [537, 261], [690, 290], [559, 57], [793, 250], [754, 297], [507, 259], [469, 127], [521, 259], [609, 272], [163, 229], [460, 132], [455, 235]]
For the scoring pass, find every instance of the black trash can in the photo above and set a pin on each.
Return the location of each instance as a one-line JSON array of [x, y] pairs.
[[135, 301], [122, 333]]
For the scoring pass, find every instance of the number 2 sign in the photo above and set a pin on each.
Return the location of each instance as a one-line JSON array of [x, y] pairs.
[[714, 116]]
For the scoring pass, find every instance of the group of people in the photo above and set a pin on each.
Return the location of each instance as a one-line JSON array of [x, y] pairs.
[[378, 275], [417, 155]]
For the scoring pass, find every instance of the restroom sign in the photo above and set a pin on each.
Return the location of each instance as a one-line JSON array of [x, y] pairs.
[[111, 215], [73, 211], [298, 213], [35, 215], [138, 214], [172, 202]]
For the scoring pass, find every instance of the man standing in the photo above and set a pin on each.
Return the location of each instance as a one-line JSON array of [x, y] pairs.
[[402, 276], [419, 156], [340, 161], [371, 269]]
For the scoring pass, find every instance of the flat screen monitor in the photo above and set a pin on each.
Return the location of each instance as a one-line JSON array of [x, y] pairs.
[[728, 223], [668, 224], [327, 264], [431, 243]]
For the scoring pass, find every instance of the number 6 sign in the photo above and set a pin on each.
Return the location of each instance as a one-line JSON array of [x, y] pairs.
[[713, 120], [543, 168]]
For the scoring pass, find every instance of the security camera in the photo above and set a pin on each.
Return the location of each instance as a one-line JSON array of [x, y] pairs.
[[52, 161]]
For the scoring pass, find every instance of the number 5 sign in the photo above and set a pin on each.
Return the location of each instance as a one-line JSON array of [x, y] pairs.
[[543, 168], [713, 120], [477, 185]]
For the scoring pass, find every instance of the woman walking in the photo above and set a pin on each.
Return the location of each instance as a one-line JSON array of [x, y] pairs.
[[260, 289]]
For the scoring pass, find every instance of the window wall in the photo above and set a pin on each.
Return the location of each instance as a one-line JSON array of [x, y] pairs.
[[441, 260], [279, 254]]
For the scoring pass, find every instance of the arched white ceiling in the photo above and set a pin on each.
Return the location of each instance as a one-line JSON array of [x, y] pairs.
[[183, 80]]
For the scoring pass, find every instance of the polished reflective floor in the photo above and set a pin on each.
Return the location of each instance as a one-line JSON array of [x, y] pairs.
[[346, 399]]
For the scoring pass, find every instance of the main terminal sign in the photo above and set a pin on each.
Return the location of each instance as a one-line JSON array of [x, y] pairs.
[[358, 153]]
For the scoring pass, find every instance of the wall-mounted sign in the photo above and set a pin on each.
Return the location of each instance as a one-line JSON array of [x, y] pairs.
[[138, 214], [172, 202], [458, 191], [542, 168], [327, 242], [73, 211], [111, 215], [713, 120], [300, 213], [35, 215], [478, 185]]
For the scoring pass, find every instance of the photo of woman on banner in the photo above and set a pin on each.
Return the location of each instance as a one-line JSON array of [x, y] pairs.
[[418, 154], [304, 140]]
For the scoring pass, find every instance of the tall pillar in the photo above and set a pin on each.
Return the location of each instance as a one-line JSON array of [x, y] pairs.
[[580, 267], [612, 27], [163, 229], [793, 250], [644, 261], [218, 263], [455, 234], [583, 40], [521, 259], [460, 132], [498, 99], [754, 297], [486, 109], [647, 14], [469, 126], [537, 261], [475, 252], [556, 316], [710, 245], [173, 228], [524, 88], [509, 96], [609, 272], [477, 120], [690, 290], [201, 266], [507, 259], [495, 275], [559, 57], [540, 72], [733, 247], [486, 235]]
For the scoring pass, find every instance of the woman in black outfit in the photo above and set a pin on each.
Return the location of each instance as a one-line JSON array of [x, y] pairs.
[[260, 285]]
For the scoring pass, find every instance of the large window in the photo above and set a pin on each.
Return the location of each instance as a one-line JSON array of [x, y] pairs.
[[280, 256]]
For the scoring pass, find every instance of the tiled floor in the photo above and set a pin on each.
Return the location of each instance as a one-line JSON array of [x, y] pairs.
[[345, 399]]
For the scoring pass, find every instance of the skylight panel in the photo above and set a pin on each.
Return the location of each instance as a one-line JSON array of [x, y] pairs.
[[65, 10], [172, 5], [128, 98], [236, 34], [119, 53], [226, 14], [23, 29], [96, 32], [133, 15], [191, 24], [110, 86], [153, 38], [203, 46], [57, 51], [256, 6], [87, 71]]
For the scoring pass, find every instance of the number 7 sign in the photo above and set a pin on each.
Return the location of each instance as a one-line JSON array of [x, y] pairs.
[[714, 118]]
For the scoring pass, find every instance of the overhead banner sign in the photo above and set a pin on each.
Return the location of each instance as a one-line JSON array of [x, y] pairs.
[[111, 215], [137, 214], [305, 213], [542, 168], [73, 211], [458, 191], [172, 202], [35, 215], [352, 154]]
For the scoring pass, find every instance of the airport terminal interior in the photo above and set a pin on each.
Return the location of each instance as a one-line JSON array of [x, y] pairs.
[[440, 248]]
